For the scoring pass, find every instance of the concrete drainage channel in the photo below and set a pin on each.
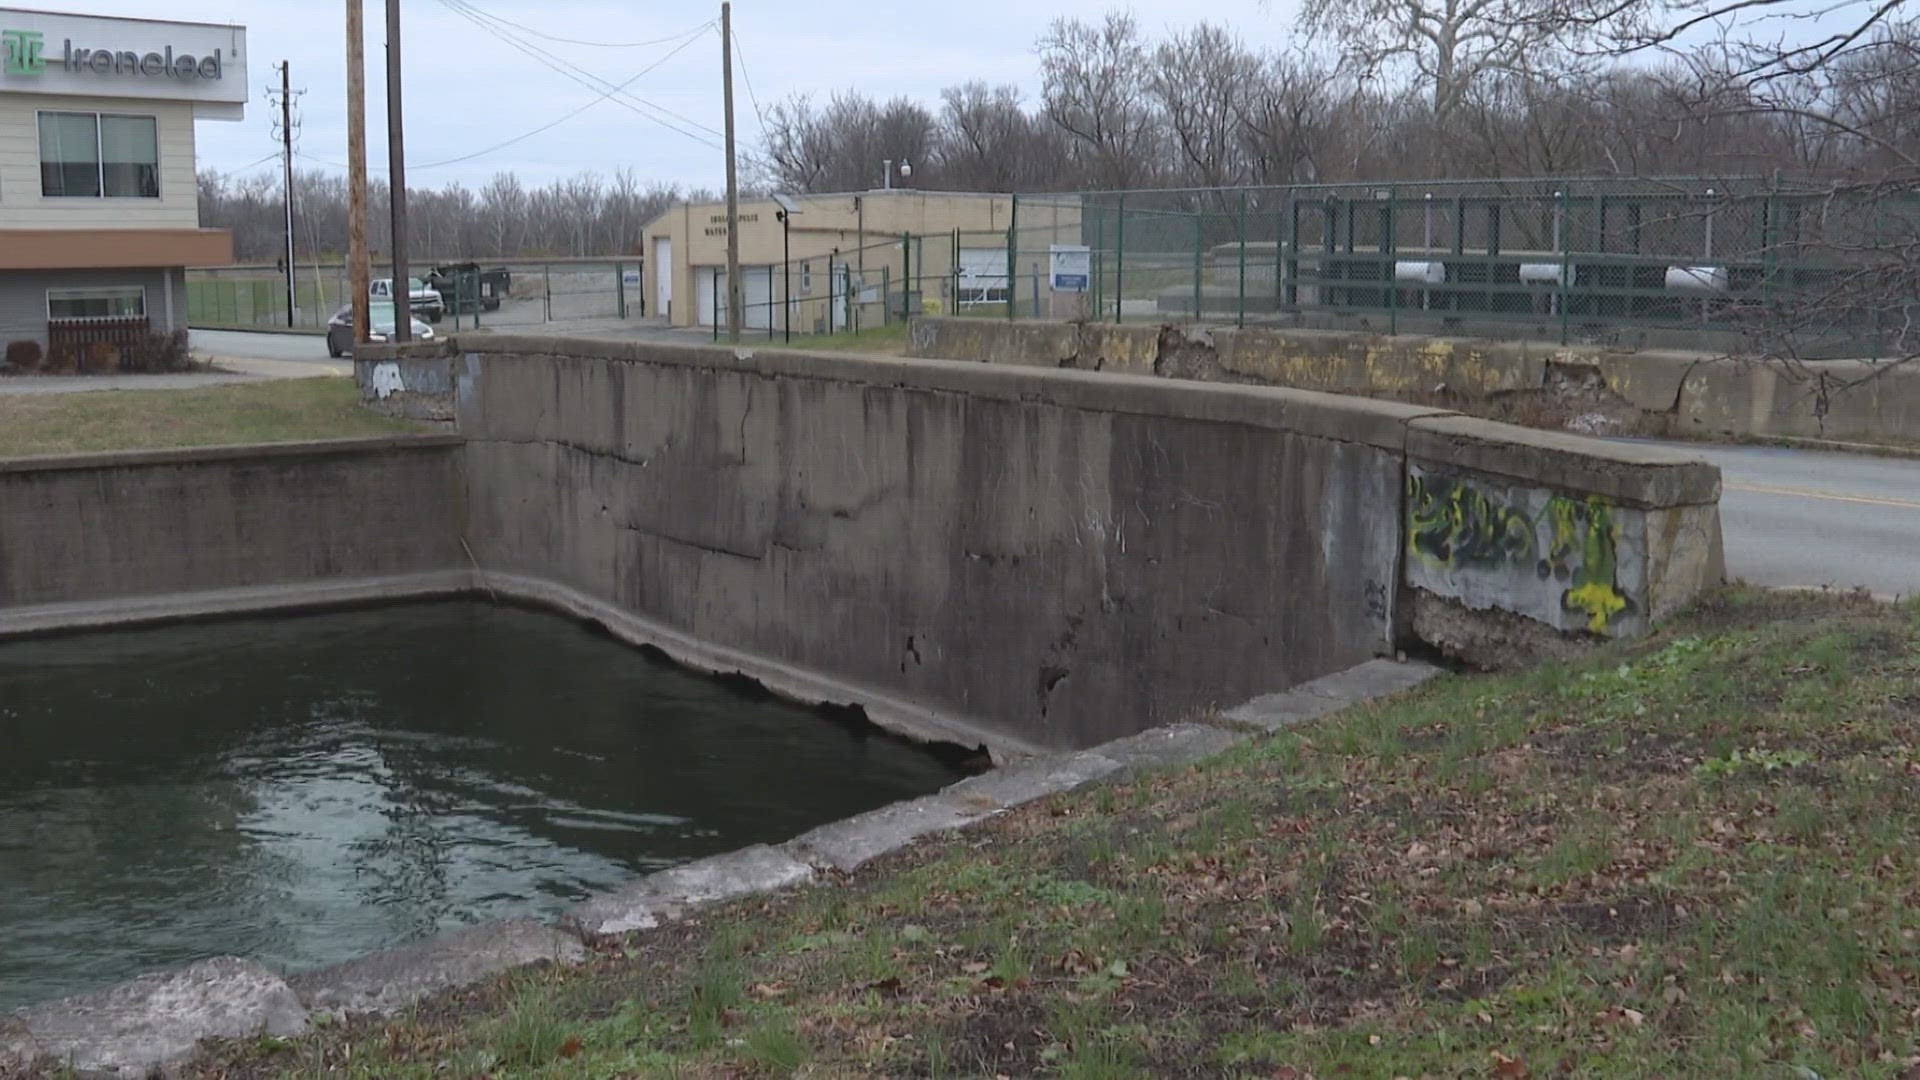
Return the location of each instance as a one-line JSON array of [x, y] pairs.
[[158, 1020]]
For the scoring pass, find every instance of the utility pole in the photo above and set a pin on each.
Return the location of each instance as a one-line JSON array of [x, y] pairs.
[[735, 309], [397, 179], [286, 161], [358, 272]]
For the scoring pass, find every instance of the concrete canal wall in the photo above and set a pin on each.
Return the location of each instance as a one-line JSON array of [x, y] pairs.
[[1650, 392], [103, 539], [1023, 557]]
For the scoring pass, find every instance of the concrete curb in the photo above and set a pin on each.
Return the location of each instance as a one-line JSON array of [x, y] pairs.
[[158, 1020]]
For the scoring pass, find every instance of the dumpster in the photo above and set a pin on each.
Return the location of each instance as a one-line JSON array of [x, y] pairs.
[[468, 289]]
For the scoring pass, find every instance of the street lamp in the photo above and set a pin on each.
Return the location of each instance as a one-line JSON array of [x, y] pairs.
[[788, 208]]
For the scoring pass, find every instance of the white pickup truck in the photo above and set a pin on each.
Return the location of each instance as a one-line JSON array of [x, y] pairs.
[[424, 299]]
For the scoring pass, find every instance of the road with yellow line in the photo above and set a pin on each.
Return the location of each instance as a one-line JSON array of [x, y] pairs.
[[1809, 518]]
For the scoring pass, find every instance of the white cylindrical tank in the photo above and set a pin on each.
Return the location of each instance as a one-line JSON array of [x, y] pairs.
[[1697, 280], [1546, 273], [1420, 273]]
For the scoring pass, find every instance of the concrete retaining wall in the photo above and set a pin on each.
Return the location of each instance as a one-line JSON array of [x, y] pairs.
[[990, 554], [1030, 558], [118, 529], [1665, 391]]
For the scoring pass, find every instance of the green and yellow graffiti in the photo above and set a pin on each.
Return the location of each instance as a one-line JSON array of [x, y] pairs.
[[1595, 589], [1453, 523]]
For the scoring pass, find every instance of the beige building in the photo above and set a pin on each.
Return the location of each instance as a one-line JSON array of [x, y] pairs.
[[99, 211], [856, 259]]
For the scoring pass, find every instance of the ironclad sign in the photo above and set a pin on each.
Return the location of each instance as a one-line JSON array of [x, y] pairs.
[[48, 53]]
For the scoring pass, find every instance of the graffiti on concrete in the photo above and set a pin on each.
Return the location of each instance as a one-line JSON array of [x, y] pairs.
[[1457, 524]]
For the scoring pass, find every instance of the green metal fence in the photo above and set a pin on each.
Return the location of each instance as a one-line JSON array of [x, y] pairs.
[[529, 293], [1558, 258]]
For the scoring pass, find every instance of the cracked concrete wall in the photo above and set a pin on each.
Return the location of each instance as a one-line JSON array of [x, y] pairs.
[[1670, 391], [113, 527], [1584, 537], [1051, 558]]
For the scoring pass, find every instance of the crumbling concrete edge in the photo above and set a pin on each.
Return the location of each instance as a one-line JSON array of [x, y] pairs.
[[140, 1026]]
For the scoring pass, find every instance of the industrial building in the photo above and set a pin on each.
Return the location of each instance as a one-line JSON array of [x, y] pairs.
[[845, 260], [99, 208]]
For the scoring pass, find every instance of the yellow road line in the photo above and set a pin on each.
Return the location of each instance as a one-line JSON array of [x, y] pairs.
[[1808, 493]]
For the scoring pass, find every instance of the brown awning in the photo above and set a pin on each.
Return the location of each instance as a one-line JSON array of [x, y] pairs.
[[103, 249]]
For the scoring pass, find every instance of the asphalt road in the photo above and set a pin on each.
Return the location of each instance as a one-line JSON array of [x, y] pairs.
[[293, 348], [1808, 518]]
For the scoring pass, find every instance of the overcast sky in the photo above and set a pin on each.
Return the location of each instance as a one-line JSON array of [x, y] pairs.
[[467, 89]]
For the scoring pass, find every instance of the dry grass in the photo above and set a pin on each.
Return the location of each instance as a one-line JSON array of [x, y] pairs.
[[277, 411]]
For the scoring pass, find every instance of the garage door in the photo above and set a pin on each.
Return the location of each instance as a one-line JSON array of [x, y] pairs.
[[758, 282], [706, 283], [711, 281]]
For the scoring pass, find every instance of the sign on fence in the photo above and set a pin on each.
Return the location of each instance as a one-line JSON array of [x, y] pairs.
[[1072, 267]]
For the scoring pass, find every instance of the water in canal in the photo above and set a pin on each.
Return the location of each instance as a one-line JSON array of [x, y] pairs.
[[303, 790]]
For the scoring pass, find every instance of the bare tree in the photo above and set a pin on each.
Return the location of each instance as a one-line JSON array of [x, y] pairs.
[[1287, 121], [1096, 80], [1451, 46], [504, 204], [1202, 80]]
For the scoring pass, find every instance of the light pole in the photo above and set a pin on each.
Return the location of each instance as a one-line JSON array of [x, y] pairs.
[[788, 208], [886, 172]]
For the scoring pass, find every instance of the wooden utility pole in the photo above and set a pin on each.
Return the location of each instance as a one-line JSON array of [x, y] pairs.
[[358, 273], [397, 180], [735, 309], [286, 163]]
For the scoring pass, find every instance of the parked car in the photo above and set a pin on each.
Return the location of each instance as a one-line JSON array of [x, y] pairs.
[[458, 283], [425, 300], [380, 319]]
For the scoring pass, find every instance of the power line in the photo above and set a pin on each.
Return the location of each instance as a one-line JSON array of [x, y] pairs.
[[503, 20], [262, 161], [585, 78], [694, 36], [319, 161], [748, 77], [628, 100]]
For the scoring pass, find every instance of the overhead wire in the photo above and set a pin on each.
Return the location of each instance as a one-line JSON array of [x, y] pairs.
[[691, 37], [586, 78], [747, 76], [503, 20], [633, 102]]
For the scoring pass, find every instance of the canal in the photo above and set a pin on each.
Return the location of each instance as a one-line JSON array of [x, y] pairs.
[[304, 790]]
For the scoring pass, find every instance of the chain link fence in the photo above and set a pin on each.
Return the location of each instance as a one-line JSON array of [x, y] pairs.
[[1691, 261], [1682, 261], [514, 293]]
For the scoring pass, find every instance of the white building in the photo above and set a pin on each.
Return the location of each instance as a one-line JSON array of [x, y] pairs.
[[99, 209]]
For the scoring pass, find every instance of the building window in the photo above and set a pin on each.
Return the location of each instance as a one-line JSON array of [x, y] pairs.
[[89, 155], [116, 303], [806, 277]]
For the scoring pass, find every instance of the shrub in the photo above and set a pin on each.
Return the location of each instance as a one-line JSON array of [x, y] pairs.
[[62, 360], [158, 353], [100, 358], [24, 355]]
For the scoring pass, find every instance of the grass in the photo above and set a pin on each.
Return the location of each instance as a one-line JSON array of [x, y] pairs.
[[268, 411], [890, 340], [1698, 856]]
